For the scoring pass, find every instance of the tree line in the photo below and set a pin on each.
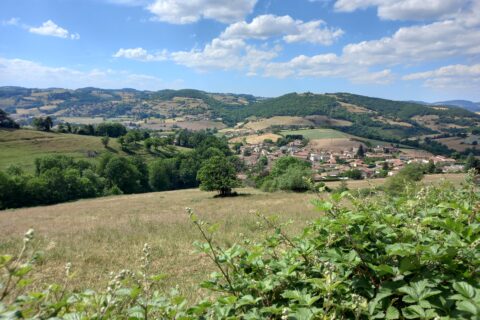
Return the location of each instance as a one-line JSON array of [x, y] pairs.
[[60, 178]]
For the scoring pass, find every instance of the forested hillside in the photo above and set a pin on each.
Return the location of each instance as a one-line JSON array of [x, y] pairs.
[[369, 117]]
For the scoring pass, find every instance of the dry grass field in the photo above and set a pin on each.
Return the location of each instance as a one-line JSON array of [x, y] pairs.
[[455, 143], [107, 234], [334, 144], [454, 178], [169, 124], [263, 124], [256, 139]]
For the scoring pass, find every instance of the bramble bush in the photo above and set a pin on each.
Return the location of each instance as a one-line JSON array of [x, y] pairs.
[[414, 255]]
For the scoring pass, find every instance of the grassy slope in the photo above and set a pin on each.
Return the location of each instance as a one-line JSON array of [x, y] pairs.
[[107, 234], [21, 147], [318, 133]]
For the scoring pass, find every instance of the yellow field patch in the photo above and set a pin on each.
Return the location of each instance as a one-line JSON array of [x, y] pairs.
[[256, 139], [263, 124]]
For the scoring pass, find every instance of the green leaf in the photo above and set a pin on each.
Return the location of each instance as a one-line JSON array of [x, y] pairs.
[[464, 289], [392, 313], [469, 307], [323, 205], [23, 270], [413, 312], [247, 300]]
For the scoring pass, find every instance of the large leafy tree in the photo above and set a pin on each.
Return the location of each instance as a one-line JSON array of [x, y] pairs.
[[218, 174]]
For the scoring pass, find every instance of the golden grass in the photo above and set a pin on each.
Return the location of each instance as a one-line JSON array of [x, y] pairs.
[[455, 178], [334, 144], [455, 143], [256, 139], [107, 234], [263, 124]]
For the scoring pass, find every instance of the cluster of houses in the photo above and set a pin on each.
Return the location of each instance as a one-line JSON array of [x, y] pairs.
[[333, 165]]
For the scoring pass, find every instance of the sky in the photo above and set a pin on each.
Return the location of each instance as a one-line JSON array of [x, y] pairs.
[[398, 49]]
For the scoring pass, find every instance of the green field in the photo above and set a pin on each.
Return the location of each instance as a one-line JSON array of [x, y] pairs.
[[314, 134], [21, 147]]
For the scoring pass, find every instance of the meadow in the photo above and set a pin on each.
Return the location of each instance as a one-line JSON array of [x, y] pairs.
[[21, 147], [107, 234]]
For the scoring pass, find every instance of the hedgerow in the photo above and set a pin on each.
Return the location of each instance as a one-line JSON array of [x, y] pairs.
[[410, 256]]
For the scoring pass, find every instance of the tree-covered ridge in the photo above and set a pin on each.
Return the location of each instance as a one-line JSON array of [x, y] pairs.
[[380, 119], [412, 255], [401, 109]]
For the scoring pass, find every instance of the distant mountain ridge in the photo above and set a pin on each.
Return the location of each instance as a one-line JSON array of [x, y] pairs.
[[360, 115], [465, 104]]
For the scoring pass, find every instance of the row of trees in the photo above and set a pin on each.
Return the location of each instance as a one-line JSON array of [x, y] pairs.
[[61, 178]]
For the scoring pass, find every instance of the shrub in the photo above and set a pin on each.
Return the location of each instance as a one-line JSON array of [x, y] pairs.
[[410, 174], [288, 173]]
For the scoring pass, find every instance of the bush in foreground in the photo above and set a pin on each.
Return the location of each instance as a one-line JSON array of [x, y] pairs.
[[415, 256]]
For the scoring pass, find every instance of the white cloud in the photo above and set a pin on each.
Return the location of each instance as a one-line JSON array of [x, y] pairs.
[[225, 54], [380, 77], [50, 28], [32, 74], [405, 9], [11, 22], [452, 76], [267, 26], [140, 54], [189, 11], [418, 43], [326, 66]]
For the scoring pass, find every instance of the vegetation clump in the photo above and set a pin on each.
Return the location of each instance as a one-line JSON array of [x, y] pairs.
[[288, 174], [6, 121]]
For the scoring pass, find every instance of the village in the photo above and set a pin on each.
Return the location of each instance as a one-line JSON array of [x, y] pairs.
[[360, 162]]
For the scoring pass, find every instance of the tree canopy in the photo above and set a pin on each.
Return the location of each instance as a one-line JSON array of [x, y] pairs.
[[218, 174]]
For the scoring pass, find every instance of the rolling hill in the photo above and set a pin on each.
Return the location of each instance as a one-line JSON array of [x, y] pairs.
[[354, 114], [469, 105]]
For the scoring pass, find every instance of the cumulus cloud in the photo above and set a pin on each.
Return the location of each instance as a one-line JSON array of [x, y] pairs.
[[50, 28], [189, 11], [267, 26], [451, 76], [32, 74], [140, 54], [405, 9], [418, 43], [225, 54], [326, 66]]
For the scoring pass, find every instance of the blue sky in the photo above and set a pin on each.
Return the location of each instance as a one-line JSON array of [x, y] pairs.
[[400, 49]]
